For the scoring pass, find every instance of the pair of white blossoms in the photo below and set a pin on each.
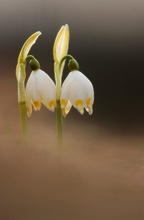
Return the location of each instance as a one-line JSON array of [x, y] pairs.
[[76, 90]]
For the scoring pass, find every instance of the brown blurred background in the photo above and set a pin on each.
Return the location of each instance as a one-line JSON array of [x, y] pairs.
[[99, 174]]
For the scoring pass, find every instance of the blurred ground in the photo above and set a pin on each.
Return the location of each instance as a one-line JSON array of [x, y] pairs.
[[99, 173]]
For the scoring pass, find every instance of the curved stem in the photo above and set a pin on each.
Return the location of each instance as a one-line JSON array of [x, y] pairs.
[[65, 57], [73, 64], [29, 57]]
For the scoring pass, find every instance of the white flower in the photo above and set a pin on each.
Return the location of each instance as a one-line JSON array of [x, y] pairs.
[[40, 89], [77, 90]]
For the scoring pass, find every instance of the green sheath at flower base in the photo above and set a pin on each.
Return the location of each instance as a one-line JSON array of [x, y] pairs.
[[73, 64], [34, 63], [21, 76]]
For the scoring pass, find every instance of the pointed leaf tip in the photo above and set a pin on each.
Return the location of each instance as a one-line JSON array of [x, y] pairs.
[[61, 43], [27, 46]]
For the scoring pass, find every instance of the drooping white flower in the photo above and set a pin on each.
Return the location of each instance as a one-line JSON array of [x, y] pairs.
[[40, 89], [77, 90]]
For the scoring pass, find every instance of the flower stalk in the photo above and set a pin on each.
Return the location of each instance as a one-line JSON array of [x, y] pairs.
[[59, 51], [21, 76], [23, 116], [59, 124]]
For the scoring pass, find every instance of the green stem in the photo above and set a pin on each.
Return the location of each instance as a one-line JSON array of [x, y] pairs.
[[73, 64], [23, 116], [59, 125]]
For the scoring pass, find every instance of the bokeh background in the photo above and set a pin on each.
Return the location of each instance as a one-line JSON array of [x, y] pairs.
[[106, 39], [99, 172]]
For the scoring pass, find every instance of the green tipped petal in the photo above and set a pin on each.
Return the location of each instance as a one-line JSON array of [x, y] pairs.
[[61, 43]]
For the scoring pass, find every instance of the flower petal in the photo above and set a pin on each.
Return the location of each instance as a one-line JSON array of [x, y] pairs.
[[40, 88], [46, 89], [65, 108], [78, 89]]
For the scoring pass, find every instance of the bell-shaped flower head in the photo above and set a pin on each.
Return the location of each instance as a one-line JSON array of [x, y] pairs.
[[77, 90], [40, 89]]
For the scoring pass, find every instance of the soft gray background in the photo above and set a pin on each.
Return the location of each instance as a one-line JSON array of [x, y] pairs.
[[106, 39]]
